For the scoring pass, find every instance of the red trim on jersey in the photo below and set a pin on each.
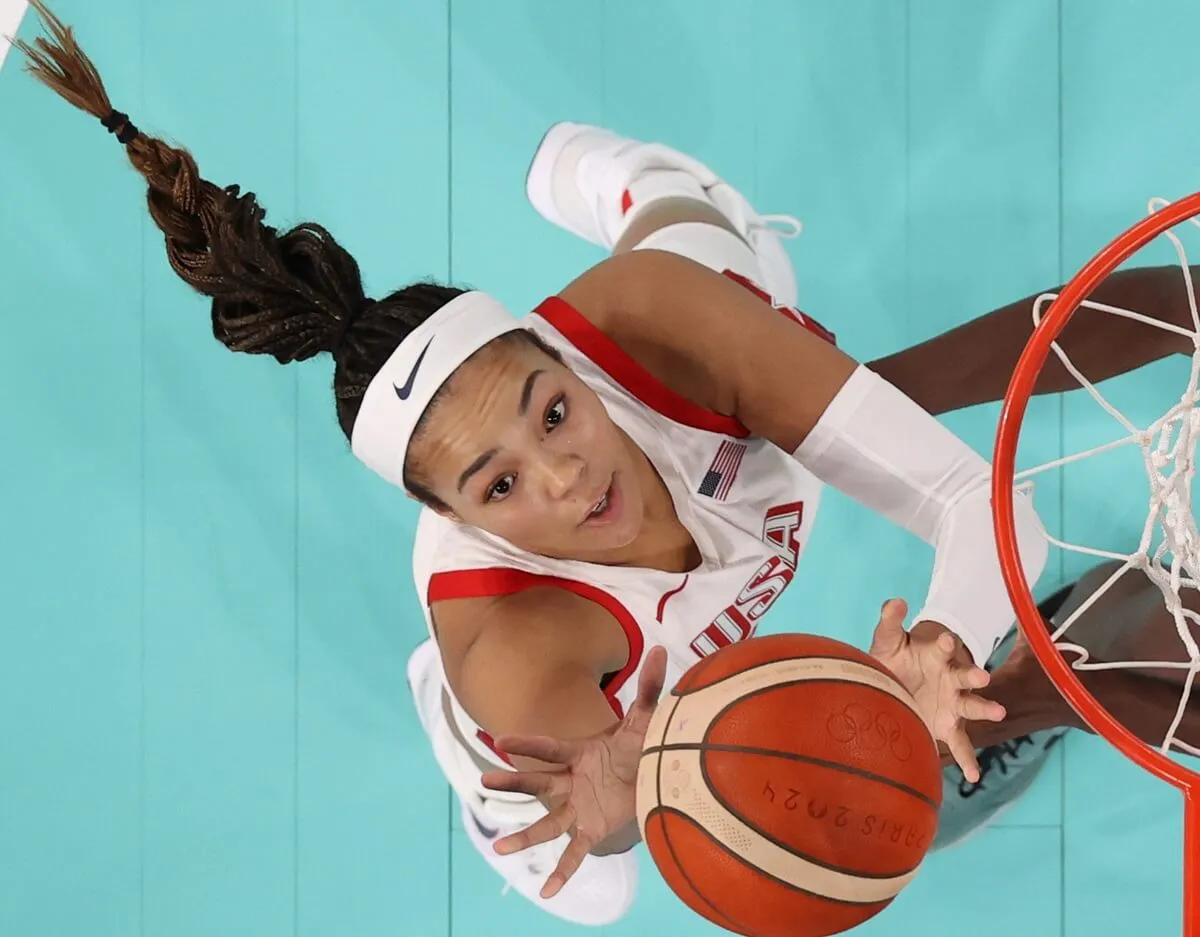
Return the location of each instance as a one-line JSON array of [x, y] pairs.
[[613, 361], [494, 581], [666, 596], [617, 364]]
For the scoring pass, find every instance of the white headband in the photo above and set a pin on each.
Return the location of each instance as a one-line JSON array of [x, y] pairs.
[[405, 385]]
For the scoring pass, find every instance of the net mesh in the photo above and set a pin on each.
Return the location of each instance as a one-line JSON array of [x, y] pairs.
[[1168, 552]]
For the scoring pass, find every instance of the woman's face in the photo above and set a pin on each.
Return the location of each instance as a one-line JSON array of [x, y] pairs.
[[517, 445]]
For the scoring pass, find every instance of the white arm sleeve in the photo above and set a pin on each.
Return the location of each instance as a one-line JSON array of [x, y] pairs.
[[880, 448]]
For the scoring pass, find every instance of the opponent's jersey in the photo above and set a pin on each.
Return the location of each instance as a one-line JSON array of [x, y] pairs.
[[748, 505]]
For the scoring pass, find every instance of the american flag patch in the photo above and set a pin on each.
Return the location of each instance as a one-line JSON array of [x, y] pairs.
[[723, 470]]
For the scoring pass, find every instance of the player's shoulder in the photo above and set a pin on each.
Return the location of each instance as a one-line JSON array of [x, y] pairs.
[[548, 619], [622, 289], [649, 304], [525, 636]]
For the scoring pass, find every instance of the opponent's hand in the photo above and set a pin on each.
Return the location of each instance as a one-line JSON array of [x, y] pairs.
[[591, 795], [936, 668]]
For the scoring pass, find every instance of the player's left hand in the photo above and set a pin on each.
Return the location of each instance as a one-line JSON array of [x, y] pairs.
[[936, 668]]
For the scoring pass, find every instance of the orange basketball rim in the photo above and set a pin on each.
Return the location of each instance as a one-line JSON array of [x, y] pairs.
[[1163, 217]]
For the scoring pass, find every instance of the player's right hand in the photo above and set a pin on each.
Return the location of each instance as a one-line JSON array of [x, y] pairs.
[[591, 790]]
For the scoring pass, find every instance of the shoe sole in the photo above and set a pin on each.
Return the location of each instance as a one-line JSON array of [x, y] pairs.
[[538, 188], [976, 830], [1000, 811]]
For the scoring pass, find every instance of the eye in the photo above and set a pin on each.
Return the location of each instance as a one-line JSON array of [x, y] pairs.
[[500, 488], [556, 414]]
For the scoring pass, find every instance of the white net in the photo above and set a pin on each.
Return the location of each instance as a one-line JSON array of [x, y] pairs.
[[1168, 552]]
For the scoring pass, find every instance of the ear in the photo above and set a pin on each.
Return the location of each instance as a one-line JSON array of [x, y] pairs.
[[446, 513], [442, 511]]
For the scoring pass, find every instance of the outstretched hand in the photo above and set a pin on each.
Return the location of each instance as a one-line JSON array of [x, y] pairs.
[[935, 667], [591, 795], [590, 784]]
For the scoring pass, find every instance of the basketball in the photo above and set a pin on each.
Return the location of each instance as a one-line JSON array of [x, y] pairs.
[[787, 787]]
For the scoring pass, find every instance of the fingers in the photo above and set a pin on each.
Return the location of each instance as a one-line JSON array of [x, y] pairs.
[[653, 676], [963, 753], [952, 655], [567, 866], [549, 827], [552, 751], [977, 709], [650, 687], [972, 678], [543, 784], [890, 635], [962, 680]]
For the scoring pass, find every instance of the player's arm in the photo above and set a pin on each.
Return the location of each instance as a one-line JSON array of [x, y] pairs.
[[973, 362], [722, 346], [534, 668]]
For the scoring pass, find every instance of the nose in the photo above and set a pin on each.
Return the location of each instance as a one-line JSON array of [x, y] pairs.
[[561, 474]]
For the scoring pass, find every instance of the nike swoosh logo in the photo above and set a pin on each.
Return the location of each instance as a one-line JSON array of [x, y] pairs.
[[403, 392]]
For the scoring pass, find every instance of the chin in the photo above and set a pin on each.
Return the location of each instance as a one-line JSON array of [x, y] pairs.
[[622, 537]]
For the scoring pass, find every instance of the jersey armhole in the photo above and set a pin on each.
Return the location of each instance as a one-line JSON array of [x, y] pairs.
[[622, 368], [498, 581]]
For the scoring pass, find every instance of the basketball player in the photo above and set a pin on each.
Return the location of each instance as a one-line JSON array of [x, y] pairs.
[[639, 462]]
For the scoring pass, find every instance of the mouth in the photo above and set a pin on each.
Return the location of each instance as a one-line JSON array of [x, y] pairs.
[[603, 508]]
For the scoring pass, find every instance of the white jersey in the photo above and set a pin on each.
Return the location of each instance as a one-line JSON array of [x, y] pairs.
[[748, 505]]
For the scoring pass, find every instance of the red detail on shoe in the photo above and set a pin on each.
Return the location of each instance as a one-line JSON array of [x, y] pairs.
[[491, 743], [626, 202]]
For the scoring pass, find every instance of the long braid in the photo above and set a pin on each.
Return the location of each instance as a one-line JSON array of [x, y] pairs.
[[291, 295]]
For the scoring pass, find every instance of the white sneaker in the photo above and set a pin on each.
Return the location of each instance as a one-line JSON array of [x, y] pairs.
[[580, 176], [599, 893]]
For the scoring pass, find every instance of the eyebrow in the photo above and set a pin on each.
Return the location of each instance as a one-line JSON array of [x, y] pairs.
[[475, 467], [522, 409], [527, 391]]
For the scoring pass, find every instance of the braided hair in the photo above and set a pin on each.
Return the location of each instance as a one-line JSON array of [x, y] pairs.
[[291, 295]]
